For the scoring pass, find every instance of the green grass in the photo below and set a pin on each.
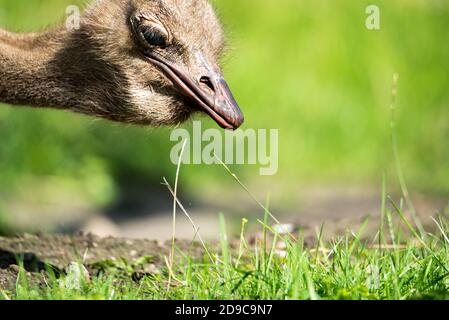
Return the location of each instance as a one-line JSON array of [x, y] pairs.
[[345, 268]]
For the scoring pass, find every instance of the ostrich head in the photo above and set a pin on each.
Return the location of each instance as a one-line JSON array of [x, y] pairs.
[[150, 62]]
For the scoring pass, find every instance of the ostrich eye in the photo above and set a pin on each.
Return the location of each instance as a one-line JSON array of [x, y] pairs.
[[154, 37], [149, 31]]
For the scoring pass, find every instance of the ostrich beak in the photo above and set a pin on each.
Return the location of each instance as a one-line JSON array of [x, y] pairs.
[[210, 93]]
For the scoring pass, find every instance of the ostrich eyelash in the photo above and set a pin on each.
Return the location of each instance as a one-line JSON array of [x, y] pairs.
[[153, 37]]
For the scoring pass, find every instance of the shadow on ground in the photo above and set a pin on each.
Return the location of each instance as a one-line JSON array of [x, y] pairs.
[[145, 212]]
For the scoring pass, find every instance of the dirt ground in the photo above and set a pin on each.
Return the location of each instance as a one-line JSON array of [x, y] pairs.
[[143, 212], [58, 252]]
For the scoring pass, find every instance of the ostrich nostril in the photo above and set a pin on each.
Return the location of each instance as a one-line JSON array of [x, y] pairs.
[[207, 84]]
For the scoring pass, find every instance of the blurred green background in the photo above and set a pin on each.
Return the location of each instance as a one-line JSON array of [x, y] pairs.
[[308, 68]]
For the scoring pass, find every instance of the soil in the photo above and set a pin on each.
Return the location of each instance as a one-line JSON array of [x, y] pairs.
[[58, 252]]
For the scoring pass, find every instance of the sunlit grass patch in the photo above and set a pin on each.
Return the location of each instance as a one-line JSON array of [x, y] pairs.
[[270, 266]]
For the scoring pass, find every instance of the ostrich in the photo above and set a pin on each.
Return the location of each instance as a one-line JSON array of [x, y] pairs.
[[145, 62]]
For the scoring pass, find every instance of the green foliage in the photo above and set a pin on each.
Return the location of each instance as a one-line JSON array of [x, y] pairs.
[[310, 69]]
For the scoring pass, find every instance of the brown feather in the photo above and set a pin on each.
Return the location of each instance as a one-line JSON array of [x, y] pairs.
[[99, 69]]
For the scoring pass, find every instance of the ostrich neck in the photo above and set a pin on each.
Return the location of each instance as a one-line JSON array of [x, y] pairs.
[[29, 72]]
